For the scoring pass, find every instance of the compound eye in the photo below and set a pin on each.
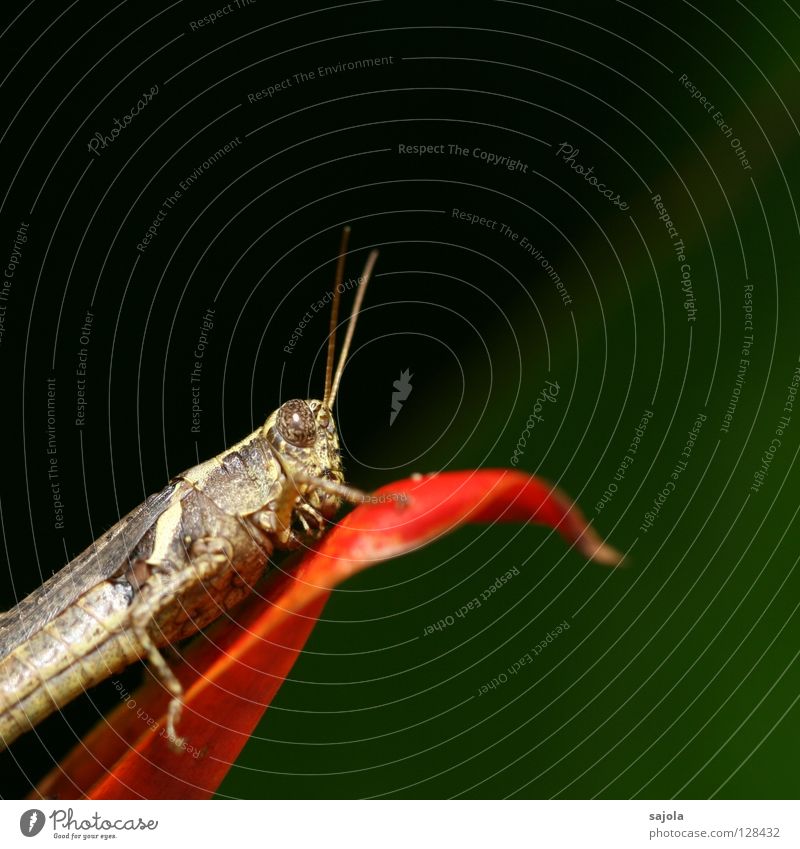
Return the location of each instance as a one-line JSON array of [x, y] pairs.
[[296, 424]]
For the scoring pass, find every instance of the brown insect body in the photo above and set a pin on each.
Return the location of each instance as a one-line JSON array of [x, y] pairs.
[[177, 562]]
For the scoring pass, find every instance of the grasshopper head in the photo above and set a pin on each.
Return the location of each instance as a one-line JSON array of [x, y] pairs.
[[303, 435]]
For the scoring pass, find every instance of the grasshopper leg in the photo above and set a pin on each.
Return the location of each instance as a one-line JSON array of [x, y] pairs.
[[275, 522], [208, 557], [310, 518], [275, 518]]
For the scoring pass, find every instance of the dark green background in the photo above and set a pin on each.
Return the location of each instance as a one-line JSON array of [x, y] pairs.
[[678, 675]]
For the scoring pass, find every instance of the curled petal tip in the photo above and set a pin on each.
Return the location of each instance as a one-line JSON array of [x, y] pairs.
[[607, 555], [592, 546]]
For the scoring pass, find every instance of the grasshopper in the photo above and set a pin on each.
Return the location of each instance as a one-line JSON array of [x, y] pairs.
[[183, 557]]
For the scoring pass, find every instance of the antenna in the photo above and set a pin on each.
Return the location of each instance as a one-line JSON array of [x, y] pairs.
[[335, 312], [351, 325]]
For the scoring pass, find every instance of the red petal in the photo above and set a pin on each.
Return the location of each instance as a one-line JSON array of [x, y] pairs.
[[232, 672]]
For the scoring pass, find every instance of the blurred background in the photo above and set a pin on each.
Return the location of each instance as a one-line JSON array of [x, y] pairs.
[[597, 195]]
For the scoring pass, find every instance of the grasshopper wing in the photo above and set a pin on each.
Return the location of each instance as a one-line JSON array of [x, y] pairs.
[[103, 559]]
